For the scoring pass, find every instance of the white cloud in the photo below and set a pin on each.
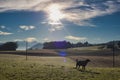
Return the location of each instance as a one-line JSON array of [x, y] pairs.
[[27, 27], [77, 11], [55, 27], [45, 39], [19, 40], [2, 27], [70, 37], [5, 33], [118, 0], [30, 5], [31, 39], [52, 29], [79, 16], [43, 22]]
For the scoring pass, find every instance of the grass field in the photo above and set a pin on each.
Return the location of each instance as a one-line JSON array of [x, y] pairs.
[[15, 67]]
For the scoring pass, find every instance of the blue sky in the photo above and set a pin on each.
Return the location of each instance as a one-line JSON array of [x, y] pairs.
[[95, 21]]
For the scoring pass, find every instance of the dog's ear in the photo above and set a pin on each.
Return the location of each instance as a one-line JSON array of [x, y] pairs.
[[76, 60], [88, 60]]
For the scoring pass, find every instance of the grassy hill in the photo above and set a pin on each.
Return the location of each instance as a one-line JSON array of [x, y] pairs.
[[15, 67], [99, 57]]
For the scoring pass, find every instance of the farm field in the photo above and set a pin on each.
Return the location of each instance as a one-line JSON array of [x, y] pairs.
[[50, 65]]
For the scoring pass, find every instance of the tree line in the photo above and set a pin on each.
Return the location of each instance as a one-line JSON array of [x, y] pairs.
[[8, 46], [64, 45], [113, 44], [12, 46], [67, 44]]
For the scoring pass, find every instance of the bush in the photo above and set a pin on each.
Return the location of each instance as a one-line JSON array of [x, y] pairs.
[[9, 46]]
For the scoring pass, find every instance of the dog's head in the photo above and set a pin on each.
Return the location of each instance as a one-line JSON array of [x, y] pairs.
[[87, 60]]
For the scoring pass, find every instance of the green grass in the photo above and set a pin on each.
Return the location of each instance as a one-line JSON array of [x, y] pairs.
[[14, 67]]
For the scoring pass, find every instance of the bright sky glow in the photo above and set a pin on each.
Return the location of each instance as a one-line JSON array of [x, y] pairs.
[[55, 14]]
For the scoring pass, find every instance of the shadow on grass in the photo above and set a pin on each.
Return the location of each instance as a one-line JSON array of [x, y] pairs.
[[92, 72], [87, 71]]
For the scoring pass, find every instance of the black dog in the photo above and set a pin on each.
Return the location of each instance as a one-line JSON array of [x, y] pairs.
[[82, 63]]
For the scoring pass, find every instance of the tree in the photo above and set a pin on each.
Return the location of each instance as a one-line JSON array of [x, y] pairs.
[[119, 44], [9, 46], [113, 44], [86, 44], [79, 44]]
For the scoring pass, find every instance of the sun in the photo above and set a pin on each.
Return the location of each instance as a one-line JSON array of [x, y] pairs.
[[55, 14]]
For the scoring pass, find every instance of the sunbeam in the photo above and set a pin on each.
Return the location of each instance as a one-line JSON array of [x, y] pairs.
[[55, 15]]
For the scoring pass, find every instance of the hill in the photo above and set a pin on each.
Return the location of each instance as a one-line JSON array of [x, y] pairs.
[[14, 67], [36, 46], [22, 45]]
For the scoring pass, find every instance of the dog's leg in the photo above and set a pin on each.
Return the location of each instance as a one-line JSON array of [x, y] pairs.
[[76, 65], [83, 68]]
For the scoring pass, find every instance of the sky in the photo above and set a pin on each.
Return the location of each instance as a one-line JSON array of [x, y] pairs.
[[95, 21]]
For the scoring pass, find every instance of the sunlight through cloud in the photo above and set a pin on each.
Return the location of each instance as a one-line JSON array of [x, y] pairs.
[[54, 17], [79, 12]]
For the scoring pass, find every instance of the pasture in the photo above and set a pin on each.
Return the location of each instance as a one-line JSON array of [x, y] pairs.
[[55, 67]]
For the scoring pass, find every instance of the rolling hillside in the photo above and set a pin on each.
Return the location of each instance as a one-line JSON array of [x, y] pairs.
[[15, 67]]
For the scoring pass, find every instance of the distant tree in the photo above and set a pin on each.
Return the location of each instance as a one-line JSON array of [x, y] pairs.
[[119, 44], [9, 46], [86, 44], [79, 44], [110, 45], [113, 44]]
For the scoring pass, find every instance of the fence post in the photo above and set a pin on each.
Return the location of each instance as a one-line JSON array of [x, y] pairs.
[[26, 50], [113, 54]]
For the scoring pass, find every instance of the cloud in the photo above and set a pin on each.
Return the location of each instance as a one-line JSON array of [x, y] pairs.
[[31, 39], [5, 33], [27, 27], [70, 37], [52, 29], [79, 12], [2, 27], [7, 5], [81, 15], [45, 39], [118, 0], [18, 40], [55, 27]]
